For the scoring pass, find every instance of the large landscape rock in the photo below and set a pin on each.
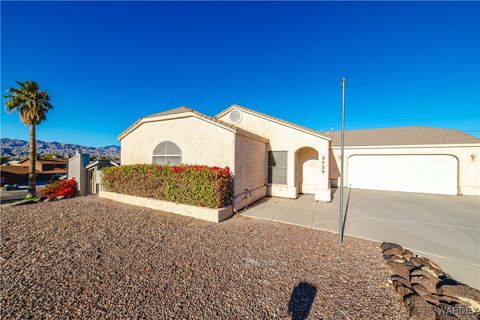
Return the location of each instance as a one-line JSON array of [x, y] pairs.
[[467, 295], [426, 272], [427, 282], [401, 280], [425, 293], [426, 290], [418, 308], [399, 268], [393, 251], [393, 257], [407, 254], [389, 245], [402, 290]]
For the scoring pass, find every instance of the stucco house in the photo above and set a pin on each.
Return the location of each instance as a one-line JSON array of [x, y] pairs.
[[87, 173], [274, 157], [46, 170]]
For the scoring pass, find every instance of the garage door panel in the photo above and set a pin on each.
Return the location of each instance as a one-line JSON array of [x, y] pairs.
[[410, 173]]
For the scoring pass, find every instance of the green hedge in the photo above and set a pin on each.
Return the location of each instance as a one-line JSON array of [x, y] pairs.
[[204, 186]]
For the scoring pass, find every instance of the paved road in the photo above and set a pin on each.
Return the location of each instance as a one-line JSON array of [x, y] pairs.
[[9, 196], [443, 228]]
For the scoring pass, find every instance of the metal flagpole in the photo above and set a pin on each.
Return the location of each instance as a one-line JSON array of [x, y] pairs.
[[342, 142]]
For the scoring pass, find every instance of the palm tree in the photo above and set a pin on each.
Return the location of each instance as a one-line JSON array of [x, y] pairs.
[[32, 105]]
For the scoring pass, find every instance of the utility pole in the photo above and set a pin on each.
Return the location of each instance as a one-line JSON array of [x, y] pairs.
[[342, 142]]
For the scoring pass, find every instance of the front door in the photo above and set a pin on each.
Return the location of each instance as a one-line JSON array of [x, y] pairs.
[[91, 182], [310, 174]]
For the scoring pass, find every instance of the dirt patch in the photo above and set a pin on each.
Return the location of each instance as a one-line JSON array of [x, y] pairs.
[[93, 258]]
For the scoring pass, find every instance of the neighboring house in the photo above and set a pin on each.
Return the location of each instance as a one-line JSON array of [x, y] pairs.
[[13, 175], [44, 165], [94, 176], [87, 173], [45, 169], [270, 156]]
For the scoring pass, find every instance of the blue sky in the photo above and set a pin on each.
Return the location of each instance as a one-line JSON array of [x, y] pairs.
[[106, 64]]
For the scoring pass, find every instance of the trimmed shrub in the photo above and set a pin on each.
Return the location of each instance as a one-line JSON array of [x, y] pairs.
[[204, 186], [65, 188]]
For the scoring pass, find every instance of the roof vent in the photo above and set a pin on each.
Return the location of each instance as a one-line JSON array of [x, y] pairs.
[[235, 116]]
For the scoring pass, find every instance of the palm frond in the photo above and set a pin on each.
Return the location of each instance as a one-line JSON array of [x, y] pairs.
[[31, 102]]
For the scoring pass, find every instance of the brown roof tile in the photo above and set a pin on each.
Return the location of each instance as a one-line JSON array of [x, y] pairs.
[[25, 170], [53, 161], [14, 169], [187, 109], [46, 161], [401, 136], [180, 110]]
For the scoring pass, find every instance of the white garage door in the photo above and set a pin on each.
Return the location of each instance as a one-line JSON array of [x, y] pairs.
[[410, 173]]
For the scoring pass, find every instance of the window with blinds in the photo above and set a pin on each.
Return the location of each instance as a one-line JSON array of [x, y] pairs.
[[277, 167], [167, 152]]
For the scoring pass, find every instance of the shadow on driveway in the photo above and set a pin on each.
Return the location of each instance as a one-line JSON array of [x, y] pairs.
[[345, 213]]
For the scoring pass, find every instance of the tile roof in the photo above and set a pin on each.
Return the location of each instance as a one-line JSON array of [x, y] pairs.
[[184, 109], [53, 161], [47, 161], [25, 170], [401, 136], [179, 110], [53, 171], [14, 169], [100, 162], [367, 137]]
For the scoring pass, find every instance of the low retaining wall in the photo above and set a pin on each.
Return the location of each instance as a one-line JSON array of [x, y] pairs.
[[208, 214]]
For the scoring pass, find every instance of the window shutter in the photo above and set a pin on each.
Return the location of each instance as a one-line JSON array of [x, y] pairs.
[[277, 167]]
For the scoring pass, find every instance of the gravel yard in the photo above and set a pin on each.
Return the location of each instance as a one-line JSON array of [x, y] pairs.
[[92, 258]]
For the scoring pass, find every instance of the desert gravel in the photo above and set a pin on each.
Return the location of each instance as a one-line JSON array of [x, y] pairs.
[[91, 258]]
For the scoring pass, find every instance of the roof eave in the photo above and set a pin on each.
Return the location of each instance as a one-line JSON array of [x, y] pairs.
[[404, 146], [293, 126], [141, 121]]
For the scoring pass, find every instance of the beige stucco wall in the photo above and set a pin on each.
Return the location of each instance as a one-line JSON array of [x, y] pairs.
[[250, 170], [250, 163], [468, 167], [285, 138], [201, 142]]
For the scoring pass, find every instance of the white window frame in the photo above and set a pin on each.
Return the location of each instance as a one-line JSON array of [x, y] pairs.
[[167, 155]]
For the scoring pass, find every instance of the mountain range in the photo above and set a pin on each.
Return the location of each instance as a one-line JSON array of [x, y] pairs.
[[19, 148]]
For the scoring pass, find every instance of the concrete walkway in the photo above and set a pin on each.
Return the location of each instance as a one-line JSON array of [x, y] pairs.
[[443, 228]]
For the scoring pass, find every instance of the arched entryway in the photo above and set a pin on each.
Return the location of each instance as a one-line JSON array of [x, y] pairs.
[[307, 170]]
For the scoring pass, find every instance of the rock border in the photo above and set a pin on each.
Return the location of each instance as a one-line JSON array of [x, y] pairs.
[[425, 289]]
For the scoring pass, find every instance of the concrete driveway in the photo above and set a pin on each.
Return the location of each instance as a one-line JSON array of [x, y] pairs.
[[443, 228]]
